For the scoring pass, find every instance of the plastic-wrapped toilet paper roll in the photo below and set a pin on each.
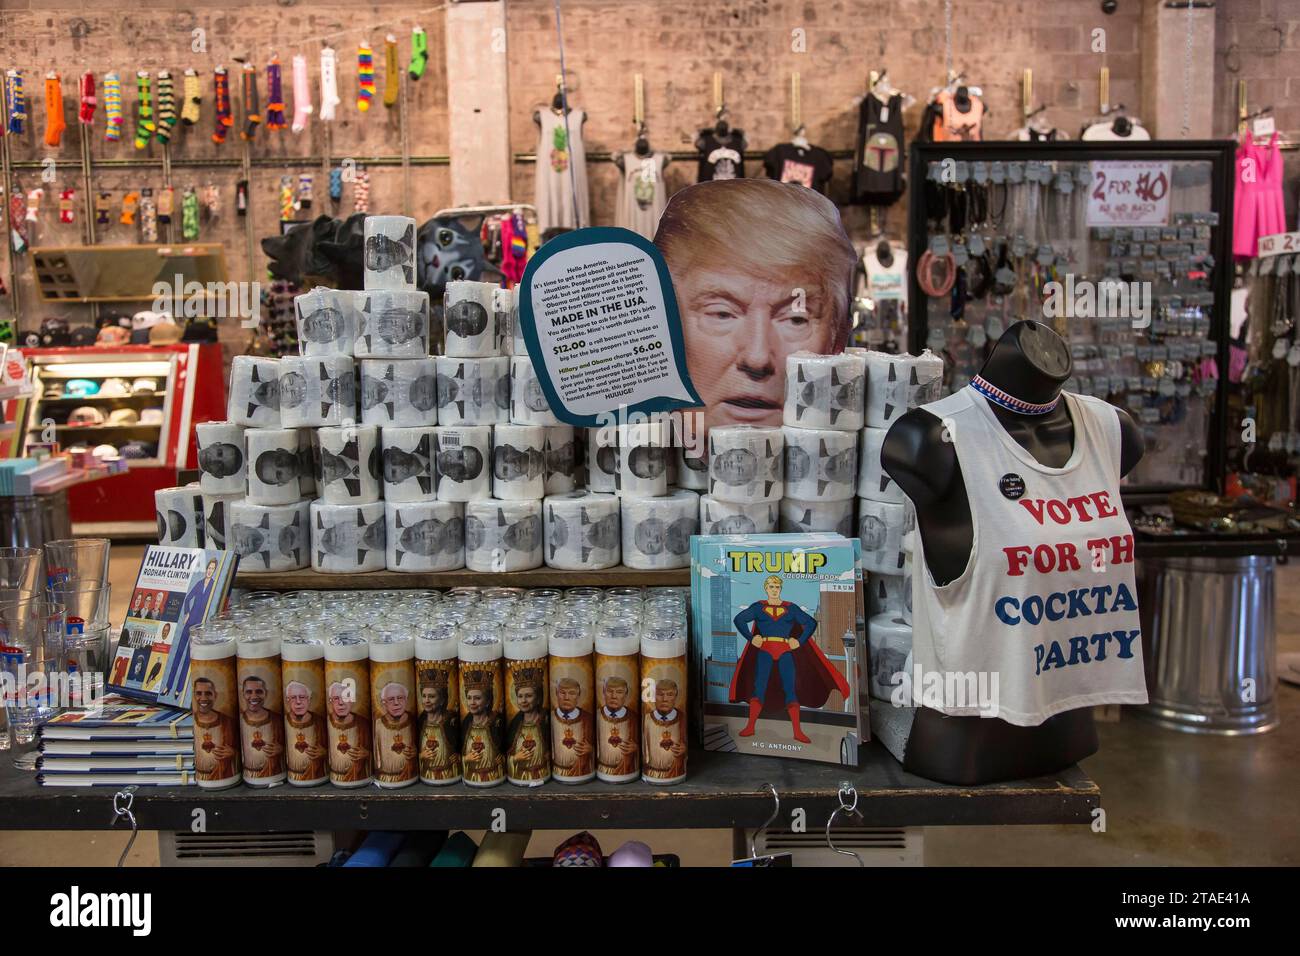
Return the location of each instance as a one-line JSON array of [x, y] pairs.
[[820, 464], [561, 459], [692, 472], [401, 392], [880, 526], [393, 324], [317, 391], [180, 516], [873, 481], [503, 535], [602, 460], [349, 472], [528, 404], [254, 392], [642, 471], [503, 307], [424, 535], [582, 531], [463, 462], [216, 520], [885, 593], [519, 462], [896, 383], [347, 539], [389, 253], [746, 463], [473, 391], [657, 531], [308, 460], [221, 458], [270, 537], [890, 639], [276, 462], [517, 344], [824, 391], [469, 320], [735, 517], [407, 463], [327, 322], [803, 517], [907, 588]]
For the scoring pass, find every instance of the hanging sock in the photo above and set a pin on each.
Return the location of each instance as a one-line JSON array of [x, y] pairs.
[[211, 202], [365, 77], [221, 100], [191, 98], [361, 192], [17, 222], [190, 214], [67, 211], [329, 85], [274, 96], [113, 107], [241, 197], [302, 107], [336, 184], [419, 53], [15, 103], [54, 122], [392, 79], [88, 102], [129, 203], [286, 199], [304, 190], [166, 205], [252, 113], [148, 217], [103, 208], [144, 124], [34, 197], [166, 106]]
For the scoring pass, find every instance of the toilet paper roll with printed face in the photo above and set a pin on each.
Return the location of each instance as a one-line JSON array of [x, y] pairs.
[[582, 531], [820, 464], [424, 535], [347, 539], [517, 344], [732, 517], [216, 519], [254, 392], [401, 392], [389, 253], [473, 391], [407, 463], [643, 451], [222, 466], [503, 306], [880, 528], [469, 320], [270, 537], [657, 531], [519, 462], [350, 468], [885, 593], [896, 383], [746, 463], [907, 587], [328, 323], [805, 517], [180, 516], [503, 535], [873, 481], [317, 391], [528, 404], [692, 471], [279, 461], [463, 462], [889, 638], [393, 324], [561, 459], [824, 391], [602, 460]]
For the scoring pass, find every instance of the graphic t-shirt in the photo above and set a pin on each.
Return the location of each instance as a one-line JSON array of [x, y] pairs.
[[878, 171], [721, 158], [809, 166]]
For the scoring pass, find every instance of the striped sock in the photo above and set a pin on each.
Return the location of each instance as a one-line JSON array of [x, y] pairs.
[[365, 77]]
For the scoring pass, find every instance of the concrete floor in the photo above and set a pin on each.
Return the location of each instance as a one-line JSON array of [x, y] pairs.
[[1171, 799]]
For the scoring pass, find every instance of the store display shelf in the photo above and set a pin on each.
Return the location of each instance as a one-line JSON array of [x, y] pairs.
[[101, 428], [72, 400], [538, 577], [723, 791]]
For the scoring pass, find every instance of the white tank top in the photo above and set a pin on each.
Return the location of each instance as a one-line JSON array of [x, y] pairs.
[[1047, 604]]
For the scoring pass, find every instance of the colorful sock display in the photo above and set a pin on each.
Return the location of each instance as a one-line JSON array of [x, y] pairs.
[[86, 113], [336, 184], [113, 107], [34, 197], [166, 205], [252, 112], [419, 53], [361, 192], [329, 85], [15, 103], [286, 199], [67, 209], [221, 100], [274, 96], [17, 222], [103, 207], [304, 190], [190, 214], [148, 217], [166, 106], [129, 203], [302, 107], [191, 97], [365, 77], [54, 121], [144, 124], [392, 69]]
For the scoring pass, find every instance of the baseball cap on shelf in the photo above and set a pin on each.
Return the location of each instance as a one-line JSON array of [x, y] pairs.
[[143, 386], [83, 336], [136, 450], [53, 390], [80, 388], [124, 416], [147, 319], [151, 416], [165, 333], [114, 388], [111, 336], [104, 451], [86, 415]]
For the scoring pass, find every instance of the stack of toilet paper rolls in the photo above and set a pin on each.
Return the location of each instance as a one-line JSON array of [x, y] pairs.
[[656, 520]]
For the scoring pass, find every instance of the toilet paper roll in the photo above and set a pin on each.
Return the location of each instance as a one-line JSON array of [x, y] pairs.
[[424, 535], [389, 253], [328, 323], [503, 307], [519, 462], [469, 320], [347, 539], [602, 460], [401, 392], [503, 535], [692, 471], [582, 531], [890, 639], [657, 531], [473, 391], [408, 463], [317, 391], [180, 516], [350, 470], [216, 520], [746, 463], [561, 459], [907, 588], [824, 391], [880, 527], [885, 594], [733, 517], [393, 324], [642, 465], [820, 464], [909, 526], [270, 537], [309, 457], [279, 462], [517, 344], [254, 392], [804, 517], [221, 458], [873, 481], [896, 383], [528, 404], [463, 462]]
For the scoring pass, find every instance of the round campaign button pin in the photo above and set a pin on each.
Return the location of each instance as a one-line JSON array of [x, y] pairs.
[[1012, 486]]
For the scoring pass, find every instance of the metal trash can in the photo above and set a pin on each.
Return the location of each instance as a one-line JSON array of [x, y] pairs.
[[1209, 644], [28, 521]]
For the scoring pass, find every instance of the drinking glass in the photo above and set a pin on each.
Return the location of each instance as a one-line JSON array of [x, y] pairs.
[[32, 632], [20, 573], [77, 559]]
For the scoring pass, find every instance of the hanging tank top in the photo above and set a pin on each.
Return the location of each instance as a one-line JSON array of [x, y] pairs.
[[956, 126], [1047, 602]]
